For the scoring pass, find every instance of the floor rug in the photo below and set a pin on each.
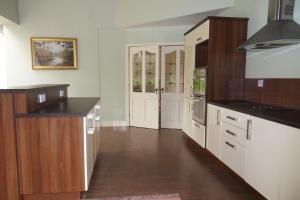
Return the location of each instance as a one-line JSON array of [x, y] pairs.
[[147, 197]]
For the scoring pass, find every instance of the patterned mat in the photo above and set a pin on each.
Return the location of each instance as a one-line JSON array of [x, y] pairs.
[[148, 197]]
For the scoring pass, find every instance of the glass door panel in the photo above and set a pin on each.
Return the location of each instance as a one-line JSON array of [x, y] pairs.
[[181, 83], [137, 71], [170, 72], [150, 71]]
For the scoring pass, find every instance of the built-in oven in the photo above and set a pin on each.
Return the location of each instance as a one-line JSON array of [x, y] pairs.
[[199, 109]]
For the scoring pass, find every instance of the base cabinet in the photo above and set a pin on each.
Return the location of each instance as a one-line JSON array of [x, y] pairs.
[[213, 141], [265, 154], [262, 163]]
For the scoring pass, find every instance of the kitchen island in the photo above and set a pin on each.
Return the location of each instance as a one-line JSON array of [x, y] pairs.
[[49, 142]]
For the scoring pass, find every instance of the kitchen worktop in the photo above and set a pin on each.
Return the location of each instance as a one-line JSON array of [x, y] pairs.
[[289, 117], [68, 107], [31, 88]]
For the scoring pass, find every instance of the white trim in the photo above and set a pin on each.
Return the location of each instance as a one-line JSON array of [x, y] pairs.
[[114, 123], [86, 184]]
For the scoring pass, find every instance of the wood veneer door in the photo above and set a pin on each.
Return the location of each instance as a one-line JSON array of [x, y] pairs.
[[8, 159], [50, 155]]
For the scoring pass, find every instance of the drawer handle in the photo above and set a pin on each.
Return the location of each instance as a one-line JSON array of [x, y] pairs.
[[231, 118], [230, 133], [230, 145]]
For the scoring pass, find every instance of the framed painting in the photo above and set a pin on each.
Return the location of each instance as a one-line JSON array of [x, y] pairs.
[[54, 53]]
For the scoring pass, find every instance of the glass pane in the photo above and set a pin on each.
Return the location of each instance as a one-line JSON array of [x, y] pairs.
[[170, 72], [150, 72], [137, 72], [181, 71]]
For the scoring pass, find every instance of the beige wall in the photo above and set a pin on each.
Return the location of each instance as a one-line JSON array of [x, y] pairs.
[[9, 11]]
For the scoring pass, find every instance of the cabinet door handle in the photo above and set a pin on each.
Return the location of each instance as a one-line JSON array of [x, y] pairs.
[[231, 118], [97, 113], [249, 129], [91, 131], [218, 117], [230, 145], [230, 133]]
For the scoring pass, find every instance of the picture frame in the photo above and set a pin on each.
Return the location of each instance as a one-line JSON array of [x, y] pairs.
[[54, 53]]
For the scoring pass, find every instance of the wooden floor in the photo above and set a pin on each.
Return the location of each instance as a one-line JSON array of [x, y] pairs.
[[138, 161]]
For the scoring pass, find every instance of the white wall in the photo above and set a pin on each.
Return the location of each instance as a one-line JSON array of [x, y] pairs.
[[9, 11], [277, 63], [2, 57], [56, 18], [134, 12]]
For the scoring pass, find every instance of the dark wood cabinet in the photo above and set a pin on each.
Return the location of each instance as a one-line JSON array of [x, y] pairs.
[[8, 157]]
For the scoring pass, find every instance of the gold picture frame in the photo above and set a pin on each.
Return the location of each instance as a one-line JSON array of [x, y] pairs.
[[54, 53]]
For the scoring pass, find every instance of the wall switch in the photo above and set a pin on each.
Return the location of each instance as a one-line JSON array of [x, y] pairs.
[[260, 83], [41, 98]]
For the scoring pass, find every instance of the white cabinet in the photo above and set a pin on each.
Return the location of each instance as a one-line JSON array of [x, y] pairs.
[[91, 142], [290, 164], [213, 141], [263, 157], [198, 133], [187, 117]]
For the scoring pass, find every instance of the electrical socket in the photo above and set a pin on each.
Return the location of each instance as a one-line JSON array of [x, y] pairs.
[[260, 83]]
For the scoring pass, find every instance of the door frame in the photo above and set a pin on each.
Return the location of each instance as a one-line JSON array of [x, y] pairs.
[[127, 71]]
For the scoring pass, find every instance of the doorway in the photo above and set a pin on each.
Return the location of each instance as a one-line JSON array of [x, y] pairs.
[[156, 86]]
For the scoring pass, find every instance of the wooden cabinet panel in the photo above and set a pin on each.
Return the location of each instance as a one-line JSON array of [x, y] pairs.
[[50, 154], [8, 161]]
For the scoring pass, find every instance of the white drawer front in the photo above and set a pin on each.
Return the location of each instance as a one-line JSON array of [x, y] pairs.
[[233, 155], [235, 118], [198, 133], [234, 133]]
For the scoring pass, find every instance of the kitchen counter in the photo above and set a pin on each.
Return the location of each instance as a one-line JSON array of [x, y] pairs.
[[31, 88], [289, 117], [68, 107]]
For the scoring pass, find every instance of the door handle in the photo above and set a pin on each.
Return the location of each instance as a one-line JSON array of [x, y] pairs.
[[218, 117], [156, 90], [162, 90], [249, 129]]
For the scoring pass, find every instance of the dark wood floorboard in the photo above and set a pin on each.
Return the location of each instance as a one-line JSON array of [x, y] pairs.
[[135, 161]]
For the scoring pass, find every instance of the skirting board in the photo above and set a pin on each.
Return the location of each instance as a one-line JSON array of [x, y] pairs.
[[114, 123]]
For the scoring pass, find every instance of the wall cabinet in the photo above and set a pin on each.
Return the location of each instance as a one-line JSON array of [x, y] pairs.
[[265, 154]]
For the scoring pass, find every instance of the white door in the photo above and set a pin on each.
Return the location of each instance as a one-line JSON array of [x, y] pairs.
[[144, 84], [172, 78]]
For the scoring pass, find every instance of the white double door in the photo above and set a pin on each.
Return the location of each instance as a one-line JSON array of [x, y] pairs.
[[156, 78]]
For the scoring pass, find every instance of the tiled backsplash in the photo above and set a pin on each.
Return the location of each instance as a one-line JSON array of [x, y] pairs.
[[280, 92]]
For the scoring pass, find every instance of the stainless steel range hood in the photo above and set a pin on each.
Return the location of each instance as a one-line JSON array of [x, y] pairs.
[[280, 31]]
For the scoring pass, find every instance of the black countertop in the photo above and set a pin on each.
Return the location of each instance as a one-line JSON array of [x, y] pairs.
[[77, 107], [31, 88], [289, 117]]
